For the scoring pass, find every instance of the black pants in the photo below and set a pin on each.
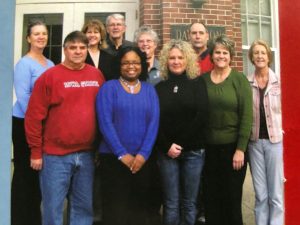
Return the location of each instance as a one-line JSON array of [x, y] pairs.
[[223, 186], [97, 195], [128, 199], [25, 189]]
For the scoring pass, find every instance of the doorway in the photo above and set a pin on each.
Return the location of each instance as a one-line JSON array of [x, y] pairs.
[[62, 18]]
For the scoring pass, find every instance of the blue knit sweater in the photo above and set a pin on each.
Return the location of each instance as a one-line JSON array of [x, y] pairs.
[[128, 122]]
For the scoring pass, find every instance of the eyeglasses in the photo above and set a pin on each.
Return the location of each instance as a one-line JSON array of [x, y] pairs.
[[116, 25], [125, 64], [148, 41]]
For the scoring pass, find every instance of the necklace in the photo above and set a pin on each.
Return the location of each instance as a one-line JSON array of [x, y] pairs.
[[175, 89], [129, 86]]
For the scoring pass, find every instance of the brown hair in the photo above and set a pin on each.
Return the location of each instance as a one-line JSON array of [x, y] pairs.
[[76, 36], [32, 24], [226, 42], [262, 43], [98, 25]]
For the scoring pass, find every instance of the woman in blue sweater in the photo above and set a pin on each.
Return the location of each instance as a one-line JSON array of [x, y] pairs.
[[25, 190], [128, 115]]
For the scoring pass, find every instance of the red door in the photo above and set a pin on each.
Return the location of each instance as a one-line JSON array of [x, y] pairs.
[[289, 26]]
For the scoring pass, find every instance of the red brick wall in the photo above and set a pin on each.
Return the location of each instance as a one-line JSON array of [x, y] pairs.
[[160, 14]]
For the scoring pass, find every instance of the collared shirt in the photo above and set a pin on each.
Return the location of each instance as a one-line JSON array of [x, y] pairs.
[[154, 75], [272, 104], [112, 48]]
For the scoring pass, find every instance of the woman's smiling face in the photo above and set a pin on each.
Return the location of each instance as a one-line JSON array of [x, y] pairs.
[[176, 61], [131, 66]]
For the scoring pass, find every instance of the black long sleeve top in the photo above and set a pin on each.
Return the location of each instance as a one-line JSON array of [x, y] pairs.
[[183, 112], [105, 64]]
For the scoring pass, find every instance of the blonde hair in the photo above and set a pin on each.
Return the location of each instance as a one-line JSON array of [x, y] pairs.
[[262, 43], [98, 25], [192, 68]]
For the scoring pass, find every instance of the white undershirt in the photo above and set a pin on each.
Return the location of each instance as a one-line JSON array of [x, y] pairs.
[[95, 57]]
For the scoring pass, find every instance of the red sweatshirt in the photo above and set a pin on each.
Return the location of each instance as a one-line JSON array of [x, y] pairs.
[[61, 117]]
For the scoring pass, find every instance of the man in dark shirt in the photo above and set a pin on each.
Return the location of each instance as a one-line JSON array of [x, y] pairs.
[[116, 27]]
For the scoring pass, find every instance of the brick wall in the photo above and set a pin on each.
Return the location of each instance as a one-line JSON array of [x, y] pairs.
[[160, 14]]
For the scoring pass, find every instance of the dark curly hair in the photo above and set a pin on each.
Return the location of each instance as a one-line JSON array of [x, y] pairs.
[[142, 55]]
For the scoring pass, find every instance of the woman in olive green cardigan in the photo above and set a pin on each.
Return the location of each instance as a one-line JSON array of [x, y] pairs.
[[229, 126]]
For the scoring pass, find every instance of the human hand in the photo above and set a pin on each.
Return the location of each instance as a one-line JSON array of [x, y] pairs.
[[174, 151], [138, 163], [127, 160], [36, 164], [238, 159]]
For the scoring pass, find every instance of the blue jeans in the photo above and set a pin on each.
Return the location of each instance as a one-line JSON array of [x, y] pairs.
[[68, 176], [266, 163], [180, 184]]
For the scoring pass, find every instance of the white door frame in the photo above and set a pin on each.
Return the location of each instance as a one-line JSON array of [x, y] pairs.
[[129, 8], [73, 16], [66, 9]]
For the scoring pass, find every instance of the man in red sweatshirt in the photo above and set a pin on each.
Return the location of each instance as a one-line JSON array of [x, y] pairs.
[[60, 125], [199, 36]]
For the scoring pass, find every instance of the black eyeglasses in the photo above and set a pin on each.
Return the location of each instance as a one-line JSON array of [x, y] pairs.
[[130, 63]]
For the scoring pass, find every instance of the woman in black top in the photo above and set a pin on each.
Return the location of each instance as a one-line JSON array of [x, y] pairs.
[[97, 55], [183, 104], [99, 58]]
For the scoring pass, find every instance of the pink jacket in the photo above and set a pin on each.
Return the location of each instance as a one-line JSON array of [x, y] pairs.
[[272, 103]]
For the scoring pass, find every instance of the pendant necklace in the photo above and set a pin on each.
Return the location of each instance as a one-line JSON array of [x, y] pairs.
[[129, 86], [175, 89]]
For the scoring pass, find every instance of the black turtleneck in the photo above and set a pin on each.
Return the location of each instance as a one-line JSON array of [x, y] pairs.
[[183, 112]]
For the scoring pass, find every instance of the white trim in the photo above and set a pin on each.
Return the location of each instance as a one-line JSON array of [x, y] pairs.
[[274, 27], [131, 21], [21, 10], [73, 16], [72, 1], [275, 16]]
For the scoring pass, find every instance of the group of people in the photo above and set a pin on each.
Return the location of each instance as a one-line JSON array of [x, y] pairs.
[[118, 132]]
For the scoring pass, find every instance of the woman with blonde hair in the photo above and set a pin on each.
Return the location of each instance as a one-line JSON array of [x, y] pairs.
[[97, 55], [180, 142], [265, 146]]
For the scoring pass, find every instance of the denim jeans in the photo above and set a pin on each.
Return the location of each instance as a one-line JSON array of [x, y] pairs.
[[180, 184], [266, 164], [68, 176]]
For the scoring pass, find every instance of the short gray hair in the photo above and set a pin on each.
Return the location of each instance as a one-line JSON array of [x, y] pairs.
[[116, 16], [146, 30]]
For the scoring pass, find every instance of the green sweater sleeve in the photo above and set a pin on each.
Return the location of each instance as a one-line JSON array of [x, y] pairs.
[[244, 94]]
